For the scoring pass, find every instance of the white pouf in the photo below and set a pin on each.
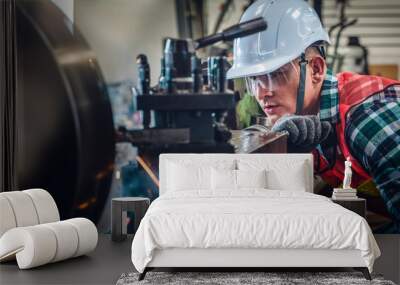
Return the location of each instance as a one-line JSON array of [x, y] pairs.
[[37, 245], [31, 232], [7, 219], [45, 205], [23, 209]]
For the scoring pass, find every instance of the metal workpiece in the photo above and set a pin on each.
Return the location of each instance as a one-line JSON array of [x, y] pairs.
[[119, 209], [257, 141]]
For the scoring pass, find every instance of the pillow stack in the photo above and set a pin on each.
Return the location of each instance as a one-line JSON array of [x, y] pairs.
[[219, 176], [237, 179], [212, 177]]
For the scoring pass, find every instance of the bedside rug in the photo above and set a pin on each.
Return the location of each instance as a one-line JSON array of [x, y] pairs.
[[273, 278]]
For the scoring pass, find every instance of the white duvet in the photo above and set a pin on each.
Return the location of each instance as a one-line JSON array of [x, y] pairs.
[[250, 219]]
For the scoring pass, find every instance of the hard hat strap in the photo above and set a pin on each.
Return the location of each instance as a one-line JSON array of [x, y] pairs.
[[302, 84], [322, 51]]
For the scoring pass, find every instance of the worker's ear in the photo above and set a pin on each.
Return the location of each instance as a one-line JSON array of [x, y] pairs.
[[317, 66]]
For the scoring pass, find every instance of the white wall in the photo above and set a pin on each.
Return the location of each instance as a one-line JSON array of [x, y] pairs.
[[118, 30]]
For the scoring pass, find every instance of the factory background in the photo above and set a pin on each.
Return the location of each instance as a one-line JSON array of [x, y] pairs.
[[113, 28]]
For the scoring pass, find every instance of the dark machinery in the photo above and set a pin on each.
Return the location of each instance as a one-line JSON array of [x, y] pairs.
[[188, 109], [63, 115], [188, 106], [185, 112]]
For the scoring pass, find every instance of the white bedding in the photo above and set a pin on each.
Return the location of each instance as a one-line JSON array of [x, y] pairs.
[[256, 218]]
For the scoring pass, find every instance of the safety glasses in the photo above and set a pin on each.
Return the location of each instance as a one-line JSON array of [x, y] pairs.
[[272, 81]]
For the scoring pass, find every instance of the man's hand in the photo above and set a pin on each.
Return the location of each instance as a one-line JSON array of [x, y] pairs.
[[305, 132]]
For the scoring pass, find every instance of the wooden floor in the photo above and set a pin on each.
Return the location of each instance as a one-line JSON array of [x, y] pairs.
[[103, 266]]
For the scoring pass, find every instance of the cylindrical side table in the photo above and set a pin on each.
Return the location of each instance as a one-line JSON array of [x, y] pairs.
[[119, 208]]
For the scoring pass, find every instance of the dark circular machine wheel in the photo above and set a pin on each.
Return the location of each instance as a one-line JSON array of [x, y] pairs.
[[65, 133]]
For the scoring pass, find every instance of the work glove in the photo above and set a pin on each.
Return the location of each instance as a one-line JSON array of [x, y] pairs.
[[305, 132]]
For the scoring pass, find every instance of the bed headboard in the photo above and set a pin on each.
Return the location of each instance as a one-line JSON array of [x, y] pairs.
[[284, 163]]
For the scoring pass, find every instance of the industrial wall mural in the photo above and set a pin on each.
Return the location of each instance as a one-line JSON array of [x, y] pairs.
[[86, 141]]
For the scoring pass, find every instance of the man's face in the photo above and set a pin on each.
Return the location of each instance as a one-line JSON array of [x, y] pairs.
[[278, 96]]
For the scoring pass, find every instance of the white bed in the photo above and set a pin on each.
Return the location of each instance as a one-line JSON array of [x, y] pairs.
[[201, 220]]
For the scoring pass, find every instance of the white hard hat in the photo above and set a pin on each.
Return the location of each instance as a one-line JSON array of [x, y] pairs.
[[292, 26]]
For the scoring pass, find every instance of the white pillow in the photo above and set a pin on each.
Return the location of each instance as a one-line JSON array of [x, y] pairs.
[[231, 180], [281, 174], [181, 177], [186, 175], [223, 179], [296, 181], [251, 179]]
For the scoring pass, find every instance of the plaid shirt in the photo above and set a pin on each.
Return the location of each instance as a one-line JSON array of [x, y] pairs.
[[373, 137]]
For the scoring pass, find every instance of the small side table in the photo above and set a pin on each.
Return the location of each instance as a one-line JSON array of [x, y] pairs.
[[357, 205], [119, 208]]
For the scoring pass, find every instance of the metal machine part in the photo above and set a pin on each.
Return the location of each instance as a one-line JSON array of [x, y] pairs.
[[197, 82], [216, 73], [180, 102], [184, 110], [65, 126], [144, 83], [236, 31]]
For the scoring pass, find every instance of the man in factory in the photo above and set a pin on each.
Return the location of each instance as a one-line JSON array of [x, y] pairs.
[[335, 117]]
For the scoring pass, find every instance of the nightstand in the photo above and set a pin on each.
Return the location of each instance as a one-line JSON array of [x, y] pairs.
[[357, 205], [119, 208]]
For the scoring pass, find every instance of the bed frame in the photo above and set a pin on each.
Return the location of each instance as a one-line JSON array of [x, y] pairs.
[[233, 257], [252, 258], [256, 258]]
